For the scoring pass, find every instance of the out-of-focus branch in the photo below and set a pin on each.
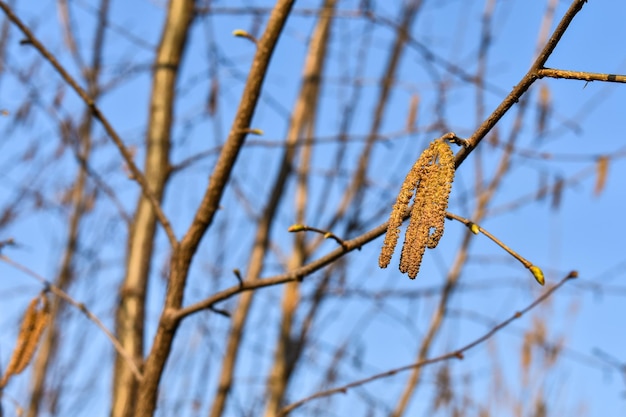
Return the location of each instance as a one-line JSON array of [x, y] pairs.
[[79, 306], [353, 194], [458, 354], [185, 251], [286, 351], [48, 350], [300, 114], [130, 316], [88, 100]]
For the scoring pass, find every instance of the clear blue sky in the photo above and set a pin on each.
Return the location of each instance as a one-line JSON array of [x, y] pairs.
[[585, 233]]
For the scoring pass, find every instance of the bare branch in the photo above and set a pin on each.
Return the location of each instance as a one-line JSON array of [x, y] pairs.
[[183, 254], [518, 91], [580, 75], [294, 275], [80, 306], [458, 354], [125, 152]]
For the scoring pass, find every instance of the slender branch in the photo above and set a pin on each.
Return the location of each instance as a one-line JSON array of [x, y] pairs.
[[315, 141], [327, 235], [239, 130], [80, 306], [580, 75], [459, 353], [475, 228], [531, 76], [126, 153], [183, 254], [295, 275], [7, 242], [250, 10]]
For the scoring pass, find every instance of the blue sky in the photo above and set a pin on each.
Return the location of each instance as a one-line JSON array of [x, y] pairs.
[[585, 233]]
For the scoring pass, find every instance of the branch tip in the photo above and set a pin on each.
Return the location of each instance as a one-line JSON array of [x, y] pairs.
[[538, 274], [240, 33], [296, 228], [237, 273], [219, 311]]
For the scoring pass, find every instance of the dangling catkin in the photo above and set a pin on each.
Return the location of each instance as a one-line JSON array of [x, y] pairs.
[[33, 325], [430, 180]]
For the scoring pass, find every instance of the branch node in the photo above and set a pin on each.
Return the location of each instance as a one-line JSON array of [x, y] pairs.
[[237, 273], [219, 311]]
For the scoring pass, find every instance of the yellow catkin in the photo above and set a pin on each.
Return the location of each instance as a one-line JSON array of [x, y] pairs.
[[430, 180], [397, 215], [33, 325], [416, 237]]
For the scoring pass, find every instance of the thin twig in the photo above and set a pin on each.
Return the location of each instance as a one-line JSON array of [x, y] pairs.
[[459, 353], [294, 275], [220, 311], [475, 228], [255, 11], [237, 273], [327, 235], [7, 242], [80, 306], [315, 141], [126, 153], [183, 254], [580, 75], [518, 91]]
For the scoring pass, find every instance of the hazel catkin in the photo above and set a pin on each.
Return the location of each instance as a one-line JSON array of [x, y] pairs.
[[430, 181]]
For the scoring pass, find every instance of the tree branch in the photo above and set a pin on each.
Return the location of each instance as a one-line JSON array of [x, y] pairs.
[[531, 76], [295, 275], [580, 75], [80, 306], [126, 153], [183, 255], [459, 353]]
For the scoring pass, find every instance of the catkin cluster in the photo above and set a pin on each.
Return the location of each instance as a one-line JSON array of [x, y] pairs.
[[430, 180]]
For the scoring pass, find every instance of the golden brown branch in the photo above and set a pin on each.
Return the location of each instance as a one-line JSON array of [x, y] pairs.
[[88, 100], [458, 354], [327, 235], [580, 75], [475, 228]]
